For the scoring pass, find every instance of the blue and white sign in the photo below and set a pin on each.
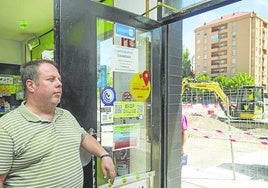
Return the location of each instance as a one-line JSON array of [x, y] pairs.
[[108, 96], [125, 31], [101, 76]]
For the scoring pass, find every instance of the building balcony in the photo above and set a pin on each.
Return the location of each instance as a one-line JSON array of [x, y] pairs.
[[217, 57]]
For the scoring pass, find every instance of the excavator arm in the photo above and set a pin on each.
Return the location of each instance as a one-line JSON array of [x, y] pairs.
[[238, 110], [210, 86]]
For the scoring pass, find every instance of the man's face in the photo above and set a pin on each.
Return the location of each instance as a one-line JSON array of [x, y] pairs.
[[49, 87]]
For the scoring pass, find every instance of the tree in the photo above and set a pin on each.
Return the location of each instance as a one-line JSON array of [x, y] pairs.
[[203, 77], [223, 81], [241, 79], [186, 64]]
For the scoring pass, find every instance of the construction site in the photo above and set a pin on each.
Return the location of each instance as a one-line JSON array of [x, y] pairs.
[[223, 149]]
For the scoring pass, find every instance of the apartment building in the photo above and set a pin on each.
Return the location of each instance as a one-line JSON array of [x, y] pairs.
[[233, 43]]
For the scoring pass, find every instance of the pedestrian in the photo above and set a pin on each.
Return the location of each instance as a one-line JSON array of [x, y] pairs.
[[184, 127], [39, 141]]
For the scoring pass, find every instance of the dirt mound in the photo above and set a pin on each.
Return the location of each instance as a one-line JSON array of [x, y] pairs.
[[208, 123], [205, 126]]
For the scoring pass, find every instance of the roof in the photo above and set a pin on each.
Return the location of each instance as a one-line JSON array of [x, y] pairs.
[[228, 17]]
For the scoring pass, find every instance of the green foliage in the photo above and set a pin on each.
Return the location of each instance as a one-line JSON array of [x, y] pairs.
[[203, 77], [241, 79], [238, 80], [223, 81], [186, 64]]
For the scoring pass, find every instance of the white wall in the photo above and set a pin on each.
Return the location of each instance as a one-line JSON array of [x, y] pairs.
[[137, 6], [11, 52]]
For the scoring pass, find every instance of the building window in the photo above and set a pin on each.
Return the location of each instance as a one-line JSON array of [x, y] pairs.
[[233, 71], [222, 36], [205, 64], [234, 34], [233, 52], [214, 37], [219, 62], [219, 28], [205, 32], [234, 43], [218, 54], [218, 45], [233, 61], [234, 25], [219, 70]]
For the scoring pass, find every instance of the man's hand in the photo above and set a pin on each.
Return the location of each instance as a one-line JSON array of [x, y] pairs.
[[108, 169], [90, 144]]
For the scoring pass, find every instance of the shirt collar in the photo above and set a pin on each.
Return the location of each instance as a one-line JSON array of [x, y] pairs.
[[30, 116]]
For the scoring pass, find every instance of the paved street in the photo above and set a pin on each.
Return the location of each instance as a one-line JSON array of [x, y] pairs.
[[210, 160], [249, 174]]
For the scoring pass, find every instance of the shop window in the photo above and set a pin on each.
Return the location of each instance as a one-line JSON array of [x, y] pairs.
[[123, 95]]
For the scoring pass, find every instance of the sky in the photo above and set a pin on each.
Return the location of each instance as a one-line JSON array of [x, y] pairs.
[[189, 24]]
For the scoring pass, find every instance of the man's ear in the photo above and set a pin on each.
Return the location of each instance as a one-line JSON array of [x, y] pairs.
[[30, 85]]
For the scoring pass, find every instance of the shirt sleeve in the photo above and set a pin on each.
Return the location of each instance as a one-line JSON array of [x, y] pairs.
[[6, 151], [76, 124], [80, 129], [184, 122], [83, 133]]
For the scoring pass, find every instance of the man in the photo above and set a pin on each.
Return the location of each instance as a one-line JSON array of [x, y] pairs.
[[250, 95], [248, 105], [40, 142]]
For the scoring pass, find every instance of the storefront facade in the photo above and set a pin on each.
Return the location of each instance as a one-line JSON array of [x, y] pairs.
[[120, 63], [121, 76]]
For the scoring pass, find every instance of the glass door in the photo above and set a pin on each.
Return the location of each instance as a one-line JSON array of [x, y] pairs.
[[114, 66], [124, 100], [105, 57]]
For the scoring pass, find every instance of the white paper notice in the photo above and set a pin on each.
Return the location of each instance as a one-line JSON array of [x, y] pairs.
[[124, 59], [107, 135]]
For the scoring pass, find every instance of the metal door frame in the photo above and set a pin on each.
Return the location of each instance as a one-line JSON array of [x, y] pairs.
[[75, 43]]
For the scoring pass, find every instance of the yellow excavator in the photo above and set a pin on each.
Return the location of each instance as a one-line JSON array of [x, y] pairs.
[[249, 103]]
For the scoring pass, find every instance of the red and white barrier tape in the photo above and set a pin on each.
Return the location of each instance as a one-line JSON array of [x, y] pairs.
[[229, 135]]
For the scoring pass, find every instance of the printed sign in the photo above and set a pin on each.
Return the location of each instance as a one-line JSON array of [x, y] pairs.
[[126, 136], [126, 96], [107, 135], [124, 31], [137, 184], [140, 86], [124, 59], [101, 75], [128, 109], [106, 113], [108, 96]]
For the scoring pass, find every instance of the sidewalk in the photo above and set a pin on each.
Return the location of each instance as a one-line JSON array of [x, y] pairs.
[[249, 173]]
